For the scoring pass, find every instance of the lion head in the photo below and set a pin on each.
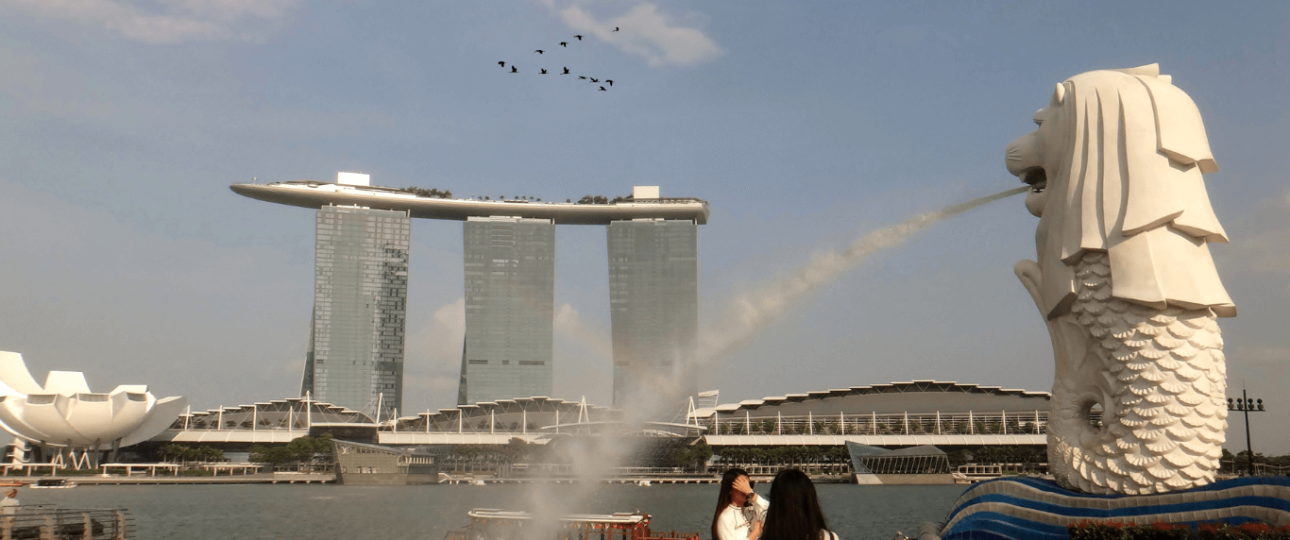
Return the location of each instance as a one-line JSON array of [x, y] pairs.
[[1116, 166]]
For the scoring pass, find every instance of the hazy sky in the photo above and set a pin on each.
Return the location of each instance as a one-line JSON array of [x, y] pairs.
[[805, 125]]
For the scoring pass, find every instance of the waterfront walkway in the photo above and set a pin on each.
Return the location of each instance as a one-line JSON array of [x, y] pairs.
[[133, 480]]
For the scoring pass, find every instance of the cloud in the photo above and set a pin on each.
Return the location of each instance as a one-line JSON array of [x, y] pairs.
[[646, 32], [568, 324], [170, 21], [432, 367]]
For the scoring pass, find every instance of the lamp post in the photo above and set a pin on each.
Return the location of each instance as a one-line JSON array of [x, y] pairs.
[[1247, 406]]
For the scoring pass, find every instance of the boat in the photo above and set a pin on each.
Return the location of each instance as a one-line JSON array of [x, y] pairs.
[[53, 483], [509, 525], [971, 474]]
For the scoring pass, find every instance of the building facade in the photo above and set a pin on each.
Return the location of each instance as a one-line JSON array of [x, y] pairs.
[[355, 355], [510, 295], [654, 306]]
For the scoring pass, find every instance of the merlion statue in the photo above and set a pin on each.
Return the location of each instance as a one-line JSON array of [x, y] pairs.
[[1126, 283]]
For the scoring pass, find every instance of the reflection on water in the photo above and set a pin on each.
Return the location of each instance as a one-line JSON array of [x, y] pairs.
[[321, 512]]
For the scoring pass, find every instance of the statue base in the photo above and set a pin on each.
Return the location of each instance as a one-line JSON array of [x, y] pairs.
[[1030, 508]]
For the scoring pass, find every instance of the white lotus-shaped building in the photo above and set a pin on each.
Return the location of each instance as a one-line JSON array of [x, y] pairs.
[[64, 413]]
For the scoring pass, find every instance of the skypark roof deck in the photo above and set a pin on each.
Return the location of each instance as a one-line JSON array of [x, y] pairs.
[[312, 194]]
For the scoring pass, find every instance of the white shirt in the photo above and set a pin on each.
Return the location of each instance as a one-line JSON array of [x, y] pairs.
[[734, 525]]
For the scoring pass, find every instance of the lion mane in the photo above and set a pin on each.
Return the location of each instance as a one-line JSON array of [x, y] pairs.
[[1127, 180]]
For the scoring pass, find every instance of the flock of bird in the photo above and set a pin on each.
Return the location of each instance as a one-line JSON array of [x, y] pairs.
[[564, 44]]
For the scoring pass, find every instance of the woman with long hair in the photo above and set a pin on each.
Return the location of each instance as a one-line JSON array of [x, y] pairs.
[[739, 509], [795, 510]]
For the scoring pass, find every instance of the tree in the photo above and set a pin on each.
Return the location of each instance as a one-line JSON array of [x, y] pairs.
[[701, 453], [768, 426], [303, 450], [182, 454], [432, 192]]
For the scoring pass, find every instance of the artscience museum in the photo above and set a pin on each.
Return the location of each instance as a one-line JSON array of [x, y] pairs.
[[70, 424]]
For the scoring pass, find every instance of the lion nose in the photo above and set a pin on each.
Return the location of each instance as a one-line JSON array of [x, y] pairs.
[[1020, 154]]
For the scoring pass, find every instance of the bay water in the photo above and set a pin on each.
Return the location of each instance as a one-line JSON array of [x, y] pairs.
[[325, 512]]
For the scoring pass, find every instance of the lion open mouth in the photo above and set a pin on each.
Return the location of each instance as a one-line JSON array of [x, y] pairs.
[[1036, 177]]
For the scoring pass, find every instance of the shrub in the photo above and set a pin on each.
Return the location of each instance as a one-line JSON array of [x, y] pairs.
[[1117, 530]]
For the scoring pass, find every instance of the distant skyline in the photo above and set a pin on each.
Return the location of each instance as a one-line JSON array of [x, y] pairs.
[[803, 125]]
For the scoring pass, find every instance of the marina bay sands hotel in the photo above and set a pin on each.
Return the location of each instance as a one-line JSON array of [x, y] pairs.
[[356, 344]]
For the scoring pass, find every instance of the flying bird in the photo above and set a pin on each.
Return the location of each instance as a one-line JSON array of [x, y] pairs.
[[581, 78], [513, 70], [579, 38], [566, 71], [610, 81], [615, 28], [564, 43], [593, 79], [602, 89], [503, 64], [544, 73], [539, 51]]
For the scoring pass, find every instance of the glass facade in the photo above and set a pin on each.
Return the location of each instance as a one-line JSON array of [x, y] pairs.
[[355, 356], [654, 305], [510, 284]]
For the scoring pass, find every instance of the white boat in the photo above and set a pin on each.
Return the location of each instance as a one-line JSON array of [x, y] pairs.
[[971, 474], [53, 483]]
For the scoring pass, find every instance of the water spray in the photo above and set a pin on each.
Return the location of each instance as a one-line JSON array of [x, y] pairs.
[[751, 313], [746, 317]]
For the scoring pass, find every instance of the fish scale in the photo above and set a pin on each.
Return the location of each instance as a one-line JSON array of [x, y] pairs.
[[1169, 385]]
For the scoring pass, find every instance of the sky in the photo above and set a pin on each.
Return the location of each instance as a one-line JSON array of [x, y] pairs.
[[805, 125]]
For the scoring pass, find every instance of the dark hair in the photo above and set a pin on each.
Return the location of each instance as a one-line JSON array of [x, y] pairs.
[[794, 512], [723, 500]]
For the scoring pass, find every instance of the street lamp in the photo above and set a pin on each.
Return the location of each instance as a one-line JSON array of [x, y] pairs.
[[1247, 406]]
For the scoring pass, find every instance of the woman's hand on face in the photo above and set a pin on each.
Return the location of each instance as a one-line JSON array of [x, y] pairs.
[[741, 485]]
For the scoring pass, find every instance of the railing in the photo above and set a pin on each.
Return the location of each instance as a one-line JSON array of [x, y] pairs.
[[46, 522], [969, 423]]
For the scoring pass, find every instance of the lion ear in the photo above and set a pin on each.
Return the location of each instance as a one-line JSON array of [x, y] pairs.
[[1149, 70], [1059, 95]]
